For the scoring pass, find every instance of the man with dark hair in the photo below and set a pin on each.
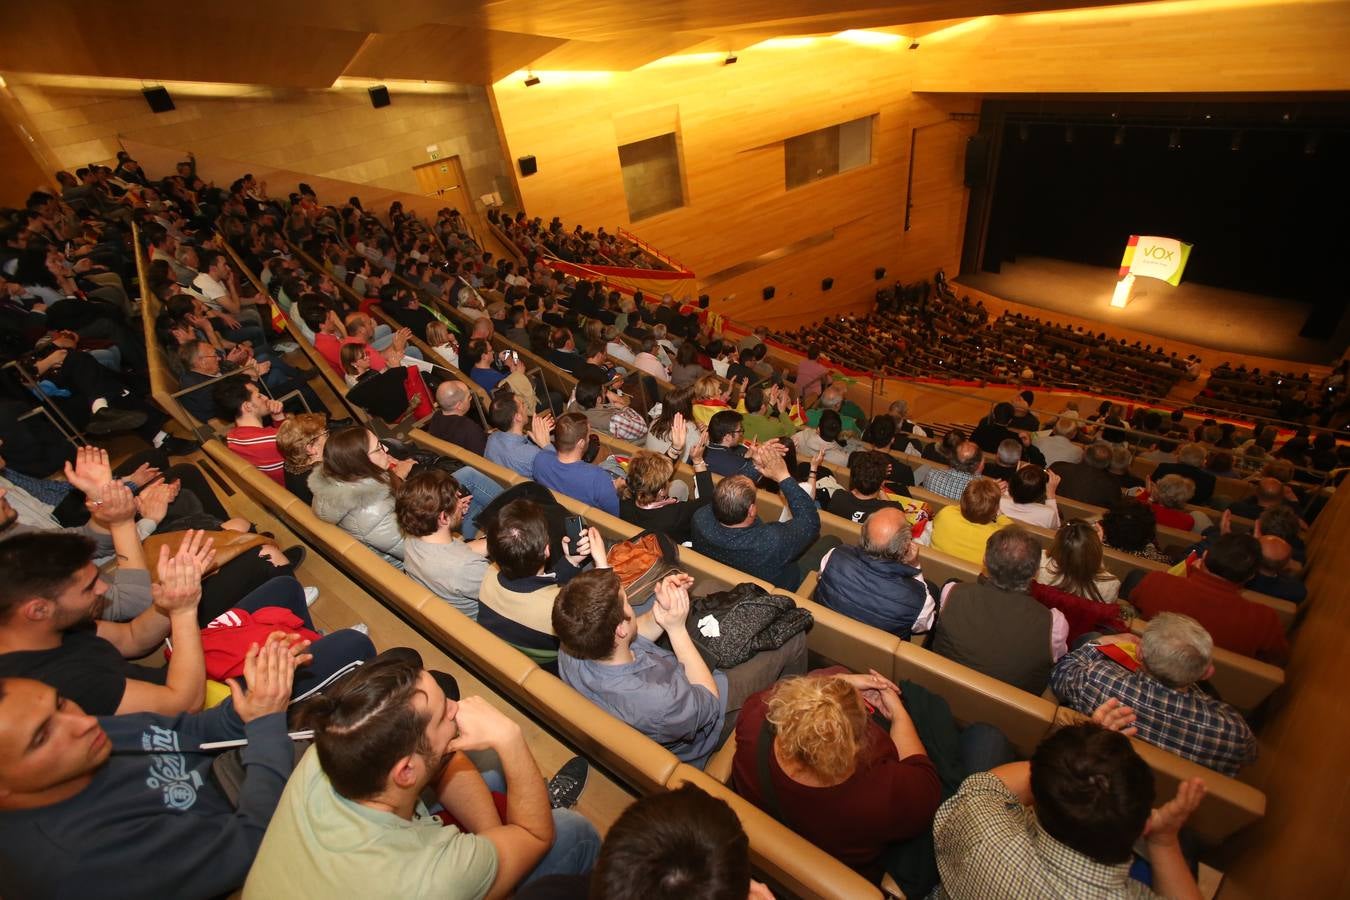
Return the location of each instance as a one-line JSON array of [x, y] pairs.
[[430, 508], [1089, 481], [1171, 710], [515, 600], [351, 821], [1211, 593], [867, 473], [676, 845], [729, 530], [994, 625], [766, 413], [609, 655], [568, 472], [727, 453], [877, 582], [608, 410], [1064, 824], [241, 402], [994, 428], [66, 777], [509, 445]]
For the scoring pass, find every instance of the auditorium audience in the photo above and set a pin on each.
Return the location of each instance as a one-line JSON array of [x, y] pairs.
[[508, 445], [867, 472], [1073, 563], [1168, 498], [452, 423], [727, 453], [963, 467], [355, 486], [650, 501], [993, 625], [1171, 710], [661, 436], [1030, 498], [1190, 465], [352, 819], [300, 439], [242, 403]]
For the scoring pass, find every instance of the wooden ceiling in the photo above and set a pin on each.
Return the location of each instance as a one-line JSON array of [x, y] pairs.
[[309, 43]]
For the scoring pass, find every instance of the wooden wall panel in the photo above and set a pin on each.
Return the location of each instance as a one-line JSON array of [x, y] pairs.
[[1185, 46], [448, 53], [733, 120], [334, 133]]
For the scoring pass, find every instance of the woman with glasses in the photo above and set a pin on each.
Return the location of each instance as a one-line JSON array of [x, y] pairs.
[[354, 488]]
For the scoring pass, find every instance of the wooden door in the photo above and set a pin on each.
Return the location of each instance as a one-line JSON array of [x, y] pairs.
[[444, 178]]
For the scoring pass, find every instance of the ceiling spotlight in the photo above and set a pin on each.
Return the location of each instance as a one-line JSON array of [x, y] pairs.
[[1236, 144], [914, 45], [731, 59], [1174, 139], [1120, 136], [531, 80]]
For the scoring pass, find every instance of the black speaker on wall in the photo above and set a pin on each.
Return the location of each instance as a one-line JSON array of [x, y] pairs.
[[768, 292], [527, 165], [826, 284], [977, 160], [158, 98], [379, 96]]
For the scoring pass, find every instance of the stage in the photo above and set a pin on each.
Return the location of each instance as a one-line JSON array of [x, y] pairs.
[[1208, 317]]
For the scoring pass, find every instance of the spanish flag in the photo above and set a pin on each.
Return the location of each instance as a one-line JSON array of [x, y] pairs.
[[278, 318]]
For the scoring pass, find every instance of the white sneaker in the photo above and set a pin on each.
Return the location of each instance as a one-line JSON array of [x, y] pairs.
[[362, 627], [285, 346], [311, 594]]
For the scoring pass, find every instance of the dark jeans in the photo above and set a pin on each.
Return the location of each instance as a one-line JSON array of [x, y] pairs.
[[222, 589], [983, 747], [334, 654]]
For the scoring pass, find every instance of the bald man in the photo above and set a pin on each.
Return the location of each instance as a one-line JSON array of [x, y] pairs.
[[1272, 573], [878, 582], [1269, 492], [965, 465], [452, 422]]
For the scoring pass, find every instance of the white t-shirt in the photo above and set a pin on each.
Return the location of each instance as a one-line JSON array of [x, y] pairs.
[[210, 290]]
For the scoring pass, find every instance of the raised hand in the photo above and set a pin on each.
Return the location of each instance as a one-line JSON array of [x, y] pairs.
[[111, 504], [91, 470], [541, 429], [1052, 486], [274, 408], [269, 672], [1164, 824], [701, 446], [1115, 716], [144, 474], [677, 430], [180, 575], [153, 502]]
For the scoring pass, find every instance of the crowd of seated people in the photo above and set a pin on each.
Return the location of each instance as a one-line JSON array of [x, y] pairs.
[[388, 736], [597, 248], [922, 333], [1287, 396]]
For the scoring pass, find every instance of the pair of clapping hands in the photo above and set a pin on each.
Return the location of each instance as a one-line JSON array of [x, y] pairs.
[[678, 435], [111, 502]]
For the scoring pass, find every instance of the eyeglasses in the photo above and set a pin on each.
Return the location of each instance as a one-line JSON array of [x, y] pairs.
[[378, 448]]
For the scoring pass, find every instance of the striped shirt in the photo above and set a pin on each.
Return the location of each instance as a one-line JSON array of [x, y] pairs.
[[258, 445]]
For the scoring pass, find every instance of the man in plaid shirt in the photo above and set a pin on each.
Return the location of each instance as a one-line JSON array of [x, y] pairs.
[[1172, 712], [1063, 826], [966, 464]]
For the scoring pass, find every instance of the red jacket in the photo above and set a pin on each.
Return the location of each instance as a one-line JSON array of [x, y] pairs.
[[226, 638]]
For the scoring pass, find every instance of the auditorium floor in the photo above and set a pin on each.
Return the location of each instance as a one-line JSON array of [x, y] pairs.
[[1208, 317]]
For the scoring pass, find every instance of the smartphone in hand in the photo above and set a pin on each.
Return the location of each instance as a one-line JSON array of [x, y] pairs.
[[573, 526]]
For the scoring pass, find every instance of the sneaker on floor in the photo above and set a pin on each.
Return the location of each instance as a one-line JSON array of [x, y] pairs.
[[295, 555], [285, 346], [311, 594], [110, 420], [564, 788], [362, 627], [176, 446]]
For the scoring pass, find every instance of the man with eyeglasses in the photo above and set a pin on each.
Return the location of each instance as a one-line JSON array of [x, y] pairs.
[[726, 454], [202, 363]]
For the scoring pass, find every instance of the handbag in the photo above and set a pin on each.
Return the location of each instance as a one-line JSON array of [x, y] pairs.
[[748, 620], [641, 562], [228, 546]]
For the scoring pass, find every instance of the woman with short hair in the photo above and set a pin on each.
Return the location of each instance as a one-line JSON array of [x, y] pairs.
[[301, 439], [648, 499], [963, 530]]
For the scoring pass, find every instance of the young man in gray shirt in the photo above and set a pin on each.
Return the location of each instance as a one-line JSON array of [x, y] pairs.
[[430, 509]]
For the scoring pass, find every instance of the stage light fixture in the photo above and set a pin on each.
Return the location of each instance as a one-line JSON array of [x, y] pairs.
[[531, 80], [879, 272], [1236, 144], [1119, 139], [1068, 134], [914, 46], [730, 60], [1174, 139]]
